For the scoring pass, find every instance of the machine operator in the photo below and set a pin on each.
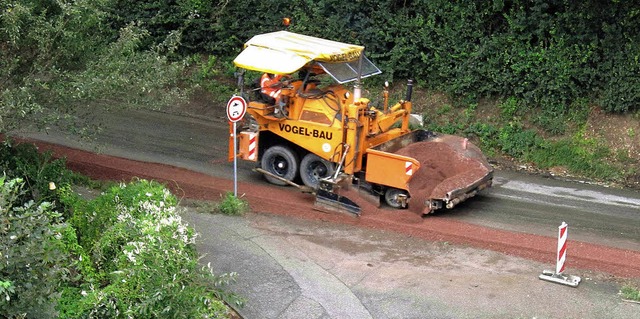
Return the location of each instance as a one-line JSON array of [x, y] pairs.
[[271, 85]]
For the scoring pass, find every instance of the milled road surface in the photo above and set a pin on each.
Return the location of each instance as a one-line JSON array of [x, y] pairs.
[[319, 263]]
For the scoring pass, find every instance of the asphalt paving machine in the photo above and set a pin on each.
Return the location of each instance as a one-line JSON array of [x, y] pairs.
[[330, 141]]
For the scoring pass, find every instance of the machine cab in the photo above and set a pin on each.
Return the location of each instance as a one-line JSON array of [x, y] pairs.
[[316, 67]]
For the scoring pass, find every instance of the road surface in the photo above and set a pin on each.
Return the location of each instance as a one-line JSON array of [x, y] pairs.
[[324, 267], [517, 202]]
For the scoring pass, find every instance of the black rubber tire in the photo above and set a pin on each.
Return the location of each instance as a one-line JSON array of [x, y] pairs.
[[280, 161], [390, 197], [313, 168]]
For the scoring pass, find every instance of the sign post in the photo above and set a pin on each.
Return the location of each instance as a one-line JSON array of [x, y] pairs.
[[236, 108]]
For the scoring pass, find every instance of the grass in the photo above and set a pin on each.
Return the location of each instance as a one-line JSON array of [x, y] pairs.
[[232, 205], [228, 205], [630, 292], [498, 130]]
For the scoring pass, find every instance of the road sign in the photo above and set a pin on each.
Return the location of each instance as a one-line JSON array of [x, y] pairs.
[[236, 107]]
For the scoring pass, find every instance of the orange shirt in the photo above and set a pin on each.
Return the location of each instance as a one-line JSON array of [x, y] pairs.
[[270, 86]]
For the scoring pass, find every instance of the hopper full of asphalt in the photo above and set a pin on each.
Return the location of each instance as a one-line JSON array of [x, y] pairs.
[[452, 168]]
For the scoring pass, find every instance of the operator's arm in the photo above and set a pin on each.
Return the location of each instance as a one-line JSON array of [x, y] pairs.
[[277, 82], [268, 83]]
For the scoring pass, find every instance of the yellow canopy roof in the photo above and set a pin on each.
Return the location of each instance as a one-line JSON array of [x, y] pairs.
[[284, 52]]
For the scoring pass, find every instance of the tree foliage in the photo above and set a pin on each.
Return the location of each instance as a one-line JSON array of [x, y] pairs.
[[143, 259], [37, 170], [60, 57], [124, 254]]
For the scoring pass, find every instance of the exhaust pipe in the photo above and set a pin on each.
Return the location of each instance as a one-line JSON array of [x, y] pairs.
[[409, 90]]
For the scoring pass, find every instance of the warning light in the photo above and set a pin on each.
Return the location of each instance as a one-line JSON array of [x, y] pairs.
[[286, 21]]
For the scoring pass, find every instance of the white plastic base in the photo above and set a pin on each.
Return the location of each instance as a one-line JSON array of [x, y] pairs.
[[567, 280]]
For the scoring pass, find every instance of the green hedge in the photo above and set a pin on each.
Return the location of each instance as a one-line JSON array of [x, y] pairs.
[[546, 53]]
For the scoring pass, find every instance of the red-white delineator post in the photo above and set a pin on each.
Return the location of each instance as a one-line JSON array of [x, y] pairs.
[[562, 248], [561, 257], [253, 137]]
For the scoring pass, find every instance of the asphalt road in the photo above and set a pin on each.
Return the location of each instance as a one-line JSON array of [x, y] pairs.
[[516, 202], [292, 268]]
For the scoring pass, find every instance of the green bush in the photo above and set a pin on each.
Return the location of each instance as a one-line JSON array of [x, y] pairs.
[[59, 57], [94, 216], [144, 257], [509, 108], [33, 266], [545, 53], [232, 205], [487, 135], [621, 92], [36, 169], [516, 141], [630, 292], [123, 254]]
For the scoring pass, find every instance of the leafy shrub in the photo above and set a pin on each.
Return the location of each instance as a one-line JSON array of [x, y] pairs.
[[232, 205], [36, 169], [93, 218], [516, 141], [621, 92], [545, 53], [486, 134], [33, 264], [509, 108], [145, 259], [97, 220], [59, 56]]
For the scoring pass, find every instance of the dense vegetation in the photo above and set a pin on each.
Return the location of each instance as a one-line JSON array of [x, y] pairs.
[[60, 61], [545, 63], [546, 54], [124, 254]]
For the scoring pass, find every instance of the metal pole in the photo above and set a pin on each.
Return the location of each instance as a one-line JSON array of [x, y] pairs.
[[235, 163], [357, 91]]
